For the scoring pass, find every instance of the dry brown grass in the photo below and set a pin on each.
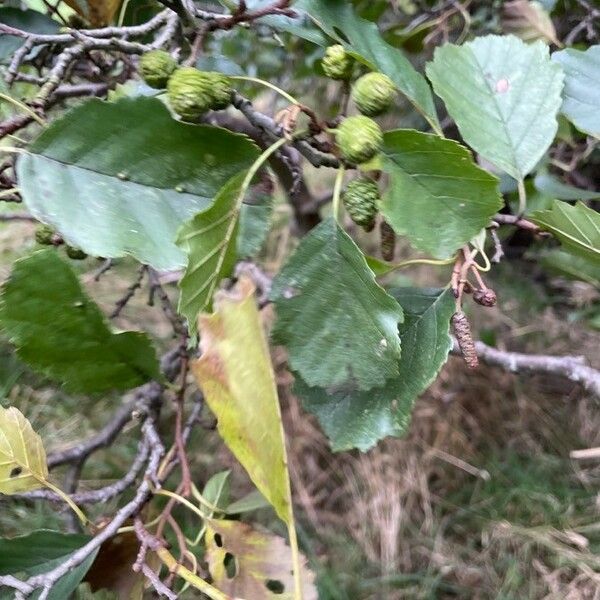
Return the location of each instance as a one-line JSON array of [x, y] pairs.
[[395, 502]]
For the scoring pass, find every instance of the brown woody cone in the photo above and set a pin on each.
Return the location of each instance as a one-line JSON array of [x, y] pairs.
[[485, 297], [462, 331], [388, 241]]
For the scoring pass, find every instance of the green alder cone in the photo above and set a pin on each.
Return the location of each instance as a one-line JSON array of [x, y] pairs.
[[373, 94], [44, 235], [221, 91], [75, 253], [156, 67], [360, 199], [359, 139], [192, 92], [337, 63]]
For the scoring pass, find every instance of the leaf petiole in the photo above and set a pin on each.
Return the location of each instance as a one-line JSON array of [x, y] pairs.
[[84, 520], [174, 567], [268, 84], [24, 108], [337, 189]]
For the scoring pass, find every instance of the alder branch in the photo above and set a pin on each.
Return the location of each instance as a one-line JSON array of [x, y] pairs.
[[16, 217], [113, 490], [104, 32], [517, 221], [104, 438], [574, 368], [272, 128], [100, 495], [47, 580]]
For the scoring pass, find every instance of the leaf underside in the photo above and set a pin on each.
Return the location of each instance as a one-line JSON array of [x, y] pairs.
[[504, 96], [576, 227], [581, 103], [119, 178], [209, 241]]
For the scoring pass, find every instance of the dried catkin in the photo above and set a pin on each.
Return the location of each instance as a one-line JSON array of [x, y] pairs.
[[462, 331], [388, 241]]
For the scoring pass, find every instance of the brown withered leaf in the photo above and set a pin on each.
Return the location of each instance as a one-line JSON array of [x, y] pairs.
[[112, 569], [251, 564], [529, 21], [97, 12]]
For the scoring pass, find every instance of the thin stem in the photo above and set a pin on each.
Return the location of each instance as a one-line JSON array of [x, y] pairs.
[[486, 260], [67, 499], [522, 197], [122, 13], [337, 192], [295, 555], [16, 138], [174, 567], [258, 163], [268, 84], [187, 503], [422, 261], [24, 108]]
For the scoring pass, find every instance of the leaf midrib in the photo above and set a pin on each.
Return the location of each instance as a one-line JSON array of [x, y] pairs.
[[115, 176]]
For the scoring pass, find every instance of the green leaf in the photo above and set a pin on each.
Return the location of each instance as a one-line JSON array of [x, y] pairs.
[[339, 326], [216, 490], [209, 240], [39, 552], [255, 222], [236, 377], [573, 267], [252, 501], [552, 186], [504, 96], [437, 196], [576, 227], [581, 103], [58, 330], [362, 38], [25, 20], [360, 419], [106, 177]]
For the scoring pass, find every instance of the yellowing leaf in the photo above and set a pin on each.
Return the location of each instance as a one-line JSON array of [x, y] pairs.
[[22, 456], [97, 12], [247, 563], [236, 377]]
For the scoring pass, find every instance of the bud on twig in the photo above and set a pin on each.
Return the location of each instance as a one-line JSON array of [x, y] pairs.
[[462, 331], [388, 241]]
